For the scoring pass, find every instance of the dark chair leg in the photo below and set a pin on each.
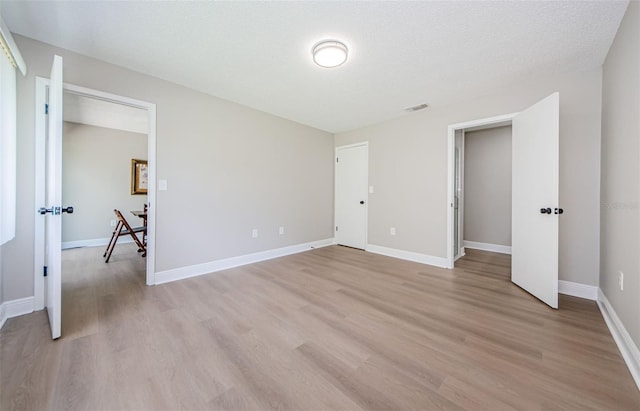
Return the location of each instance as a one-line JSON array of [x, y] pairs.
[[112, 243], [114, 235]]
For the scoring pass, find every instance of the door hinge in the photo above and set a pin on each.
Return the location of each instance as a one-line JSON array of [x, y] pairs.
[[46, 109], [44, 272], [337, 160], [336, 228]]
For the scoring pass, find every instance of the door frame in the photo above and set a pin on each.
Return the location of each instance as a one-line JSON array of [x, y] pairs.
[[365, 144], [496, 121], [459, 172], [40, 150]]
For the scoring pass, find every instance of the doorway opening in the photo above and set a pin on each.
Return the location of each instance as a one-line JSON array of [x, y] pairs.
[[101, 139], [93, 119], [480, 198], [482, 189]]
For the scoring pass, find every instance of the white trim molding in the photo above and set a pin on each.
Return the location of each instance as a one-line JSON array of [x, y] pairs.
[[15, 308], [589, 292], [409, 255], [627, 347], [95, 242], [495, 248], [219, 265]]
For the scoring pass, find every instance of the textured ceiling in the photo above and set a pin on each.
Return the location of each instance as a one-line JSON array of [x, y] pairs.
[[402, 53]]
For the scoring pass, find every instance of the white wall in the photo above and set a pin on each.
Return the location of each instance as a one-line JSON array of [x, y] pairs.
[[620, 229], [96, 178], [408, 168], [487, 186], [229, 169]]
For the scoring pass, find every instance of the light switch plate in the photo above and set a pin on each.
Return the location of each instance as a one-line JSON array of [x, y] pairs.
[[162, 185]]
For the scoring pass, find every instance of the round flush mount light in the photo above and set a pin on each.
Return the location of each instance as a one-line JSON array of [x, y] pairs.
[[330, 53]]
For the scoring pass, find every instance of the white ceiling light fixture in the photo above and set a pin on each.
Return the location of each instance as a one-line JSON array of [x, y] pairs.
[[330, 53]]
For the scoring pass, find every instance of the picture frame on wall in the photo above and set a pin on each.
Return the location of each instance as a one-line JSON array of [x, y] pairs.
[[139, 176]]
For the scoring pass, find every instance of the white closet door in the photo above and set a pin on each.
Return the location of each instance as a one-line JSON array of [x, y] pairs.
[[351, 180], [534, 263]]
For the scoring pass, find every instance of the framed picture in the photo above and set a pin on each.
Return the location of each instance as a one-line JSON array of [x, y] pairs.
[[139, 176]]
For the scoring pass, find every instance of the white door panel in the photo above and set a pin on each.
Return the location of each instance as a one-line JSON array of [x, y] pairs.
[[53, 196], [534, 260], [351, 188]]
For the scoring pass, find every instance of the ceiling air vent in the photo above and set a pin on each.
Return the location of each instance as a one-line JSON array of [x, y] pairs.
[[416, 108]]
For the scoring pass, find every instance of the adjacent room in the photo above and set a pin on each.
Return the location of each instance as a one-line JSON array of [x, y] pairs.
[[320, 205]]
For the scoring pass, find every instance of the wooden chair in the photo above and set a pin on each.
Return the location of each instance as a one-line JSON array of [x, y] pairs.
[[144, 225], [123, 228]]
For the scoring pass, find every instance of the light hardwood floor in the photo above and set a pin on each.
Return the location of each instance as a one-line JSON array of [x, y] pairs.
[[329, 329]]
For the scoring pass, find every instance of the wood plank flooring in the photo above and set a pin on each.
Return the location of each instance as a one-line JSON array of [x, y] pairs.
[[330, 329]]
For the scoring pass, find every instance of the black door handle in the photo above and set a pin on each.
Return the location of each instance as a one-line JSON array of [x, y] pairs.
[[362, 202], [558, 211], [545, 210], [55, 210]]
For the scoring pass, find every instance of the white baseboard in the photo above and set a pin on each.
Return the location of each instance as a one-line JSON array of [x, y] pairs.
[[627, 347], [590, 292], [408, 255], [213, 266], [94, 242], [14, 308], [496, 248]]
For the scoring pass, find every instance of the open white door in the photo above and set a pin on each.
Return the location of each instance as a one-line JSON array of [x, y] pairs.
[[351, 182], [53, 196], [535, 212]]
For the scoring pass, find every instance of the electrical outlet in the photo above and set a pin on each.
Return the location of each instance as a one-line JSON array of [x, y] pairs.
[[281, 230], [621, 280], [254, 233], [392, 231], [114, 223]]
